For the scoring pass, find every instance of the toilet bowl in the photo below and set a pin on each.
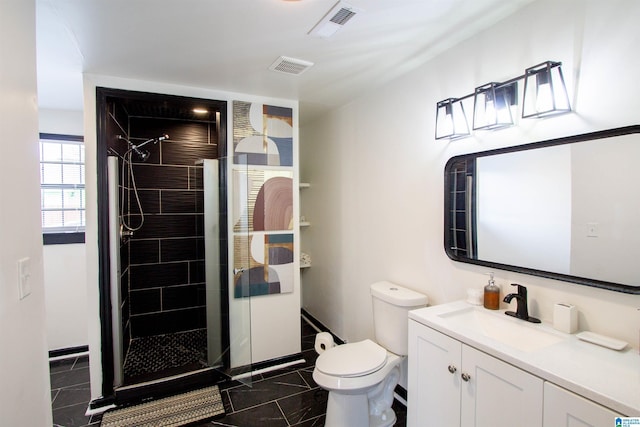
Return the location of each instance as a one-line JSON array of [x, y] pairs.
[[361, 377]]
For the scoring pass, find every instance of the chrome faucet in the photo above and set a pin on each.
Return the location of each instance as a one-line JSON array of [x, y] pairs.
[[522, 312]]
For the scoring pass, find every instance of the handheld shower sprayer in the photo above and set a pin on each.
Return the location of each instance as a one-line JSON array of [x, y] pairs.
[[127, 165]]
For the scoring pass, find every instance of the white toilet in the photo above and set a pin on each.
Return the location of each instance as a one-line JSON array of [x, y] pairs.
[[362, 376]]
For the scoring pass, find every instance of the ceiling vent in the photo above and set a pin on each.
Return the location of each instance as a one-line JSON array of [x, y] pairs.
[[288, 65], [334, 20]]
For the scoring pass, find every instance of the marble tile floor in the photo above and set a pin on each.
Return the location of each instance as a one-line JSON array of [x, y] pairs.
[[70, 393], [286, 397]]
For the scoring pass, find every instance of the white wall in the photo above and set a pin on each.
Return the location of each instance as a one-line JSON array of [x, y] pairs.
[[65, 122], [65, 279], [376, 201], [25, 398], [65, 272], [273, 316]]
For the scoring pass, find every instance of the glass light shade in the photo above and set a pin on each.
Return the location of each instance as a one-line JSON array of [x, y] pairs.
[[492, 106], [545, 93], [451, 121]]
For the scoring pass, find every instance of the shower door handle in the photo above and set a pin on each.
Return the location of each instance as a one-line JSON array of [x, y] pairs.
[[238, 270]]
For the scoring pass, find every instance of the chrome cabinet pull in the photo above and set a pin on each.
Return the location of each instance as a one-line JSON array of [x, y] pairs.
[[238, 270], [465, 377], [452, 369]]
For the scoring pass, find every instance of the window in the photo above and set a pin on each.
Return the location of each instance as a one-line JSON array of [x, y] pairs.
[[62, 188]]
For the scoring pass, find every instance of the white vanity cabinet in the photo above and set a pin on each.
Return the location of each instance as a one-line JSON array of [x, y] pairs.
[[563, 408], [474, 367], [453, 384]]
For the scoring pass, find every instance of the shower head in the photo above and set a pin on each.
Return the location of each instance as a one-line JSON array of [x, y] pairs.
[[143, 155]]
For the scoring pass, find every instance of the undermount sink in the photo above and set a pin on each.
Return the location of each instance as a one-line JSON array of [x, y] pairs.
[[507, 330]]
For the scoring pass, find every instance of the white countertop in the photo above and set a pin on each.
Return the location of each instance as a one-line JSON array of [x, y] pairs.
[[608, 377]]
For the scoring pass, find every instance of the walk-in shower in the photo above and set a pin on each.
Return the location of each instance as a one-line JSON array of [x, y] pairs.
[[164, 288]]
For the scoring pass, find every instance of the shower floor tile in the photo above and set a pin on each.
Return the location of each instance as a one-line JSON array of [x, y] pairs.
[[159, 355]]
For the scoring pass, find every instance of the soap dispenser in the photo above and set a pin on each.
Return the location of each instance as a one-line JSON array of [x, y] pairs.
[[491, 294]]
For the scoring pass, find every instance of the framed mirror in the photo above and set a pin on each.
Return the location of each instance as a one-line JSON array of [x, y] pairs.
[[565, 209]]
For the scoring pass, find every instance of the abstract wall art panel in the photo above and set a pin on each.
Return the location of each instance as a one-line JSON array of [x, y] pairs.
[[269, 258], [264, 200], [264, 133]]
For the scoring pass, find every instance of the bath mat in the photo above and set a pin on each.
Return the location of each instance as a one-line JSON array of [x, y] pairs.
[[174, 411]]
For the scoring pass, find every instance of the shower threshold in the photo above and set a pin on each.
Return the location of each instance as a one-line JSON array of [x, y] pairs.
[[168, 386]]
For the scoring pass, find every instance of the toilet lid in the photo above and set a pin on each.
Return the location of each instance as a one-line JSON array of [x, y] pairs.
[[352, 360]]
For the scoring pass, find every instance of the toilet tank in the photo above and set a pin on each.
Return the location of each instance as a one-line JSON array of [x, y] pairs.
[[391, 306]]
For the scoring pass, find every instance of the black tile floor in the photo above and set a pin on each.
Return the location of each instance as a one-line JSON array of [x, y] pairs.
[[70, 392], [286, 397]]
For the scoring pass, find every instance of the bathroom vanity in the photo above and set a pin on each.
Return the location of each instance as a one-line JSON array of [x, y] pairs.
[[472, 366]]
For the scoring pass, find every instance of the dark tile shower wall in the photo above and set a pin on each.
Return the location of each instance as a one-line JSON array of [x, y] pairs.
[[166, 270]]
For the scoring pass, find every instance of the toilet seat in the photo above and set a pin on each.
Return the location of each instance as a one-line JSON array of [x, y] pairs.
[[352, 360]]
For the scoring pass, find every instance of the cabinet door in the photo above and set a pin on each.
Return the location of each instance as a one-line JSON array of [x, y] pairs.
[[564, 408], [498, 394], [434, 378]]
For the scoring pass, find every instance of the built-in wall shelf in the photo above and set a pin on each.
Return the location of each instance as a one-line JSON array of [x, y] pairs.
[[305, 259], [303, 222]]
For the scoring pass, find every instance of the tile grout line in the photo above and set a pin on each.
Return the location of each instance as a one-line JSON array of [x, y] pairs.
[[303, 380], [283, 414], [230, 401]]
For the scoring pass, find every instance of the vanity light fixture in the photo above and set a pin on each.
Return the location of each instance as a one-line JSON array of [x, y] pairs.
[[200, 111], [451, 121], [492, 105], [545, 94]]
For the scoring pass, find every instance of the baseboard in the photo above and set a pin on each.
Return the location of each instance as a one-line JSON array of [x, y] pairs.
[[62, 353], [264, 370], [266, 365], [318, 326]]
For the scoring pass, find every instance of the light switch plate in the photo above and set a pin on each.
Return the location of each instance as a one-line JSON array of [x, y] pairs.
[[24, 277]]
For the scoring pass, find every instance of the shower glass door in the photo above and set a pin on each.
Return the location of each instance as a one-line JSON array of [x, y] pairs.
[[227, 254], [216, 332]]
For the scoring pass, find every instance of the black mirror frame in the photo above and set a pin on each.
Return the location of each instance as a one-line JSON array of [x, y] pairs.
[[617, 287]]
